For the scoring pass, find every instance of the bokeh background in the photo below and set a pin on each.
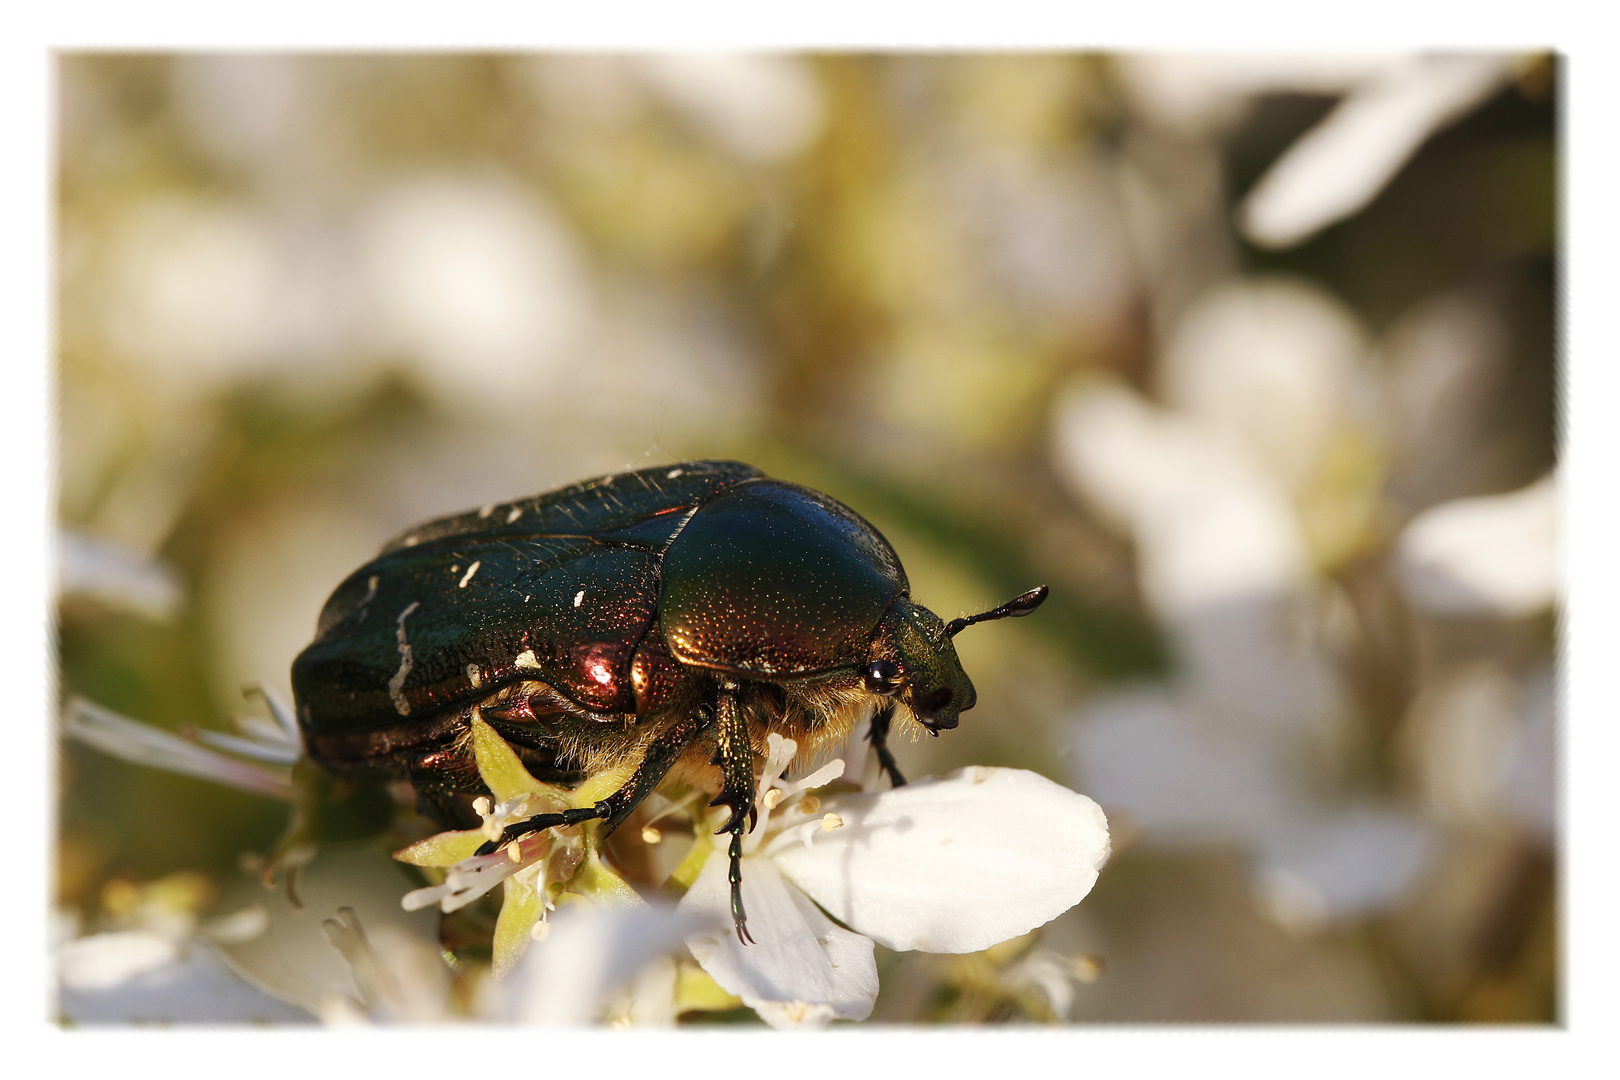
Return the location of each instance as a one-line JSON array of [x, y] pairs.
[[1251, 359]]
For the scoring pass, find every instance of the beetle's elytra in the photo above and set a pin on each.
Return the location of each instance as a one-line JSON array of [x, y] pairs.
[[671, 618]]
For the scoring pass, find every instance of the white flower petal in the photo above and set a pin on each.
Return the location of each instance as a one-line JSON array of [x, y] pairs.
[[115, 574], [588, 955], [1272, 362], [1339, 165], [1144, 751], [476, 281], [143, 744], [1209, 524], [1199, 93], [954, 864], [1496, 555], [137, 977], [801, 970], [1359, 860], [102, 961]]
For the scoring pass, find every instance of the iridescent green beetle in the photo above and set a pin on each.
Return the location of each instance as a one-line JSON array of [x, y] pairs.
[[669, 619]]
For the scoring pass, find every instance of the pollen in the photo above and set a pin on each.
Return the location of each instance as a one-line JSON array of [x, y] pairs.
[[650, 835], [830, 822], [471, 570], [514, 850], [579, 598]]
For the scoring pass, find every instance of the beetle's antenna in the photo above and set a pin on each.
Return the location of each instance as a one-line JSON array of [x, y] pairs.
[[1017, 607]]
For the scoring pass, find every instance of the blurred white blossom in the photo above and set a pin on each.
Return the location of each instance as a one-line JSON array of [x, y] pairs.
[[761, 108], [256, 764], [1482, 742], [1496, 555], [241, 107], [191, 289], [476, 283], [589, 956], [1390, 105], [157, 961], [1338, 166], [139, 977], [1197, 92], [1275, 364], [113, 574], [1260, 377], [1447, 360]]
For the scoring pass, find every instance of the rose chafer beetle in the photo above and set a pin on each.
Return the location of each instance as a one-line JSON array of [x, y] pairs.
[[667, 619]]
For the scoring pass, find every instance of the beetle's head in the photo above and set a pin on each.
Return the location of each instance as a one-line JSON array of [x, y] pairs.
[[913, 660]]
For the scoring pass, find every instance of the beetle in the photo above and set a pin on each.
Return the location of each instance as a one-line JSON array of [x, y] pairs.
[[666, 619]]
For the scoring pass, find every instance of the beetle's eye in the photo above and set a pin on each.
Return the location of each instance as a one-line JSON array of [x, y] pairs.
[[882, 678]]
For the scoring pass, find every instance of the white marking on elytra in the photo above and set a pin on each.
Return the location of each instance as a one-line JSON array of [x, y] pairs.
[[371, 591], [405, 662], [517, 512], [579, 597], [525, 659], [485, 511], [673, 473], [471, 570], [410, 541], [474, 676]]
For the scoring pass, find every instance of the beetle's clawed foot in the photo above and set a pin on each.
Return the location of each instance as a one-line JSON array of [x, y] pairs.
[[742, 932], [741, 807]]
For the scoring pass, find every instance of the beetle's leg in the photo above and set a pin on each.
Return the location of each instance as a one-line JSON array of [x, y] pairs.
[[573, 816], [662, 753], [736, 753], [878, 736]]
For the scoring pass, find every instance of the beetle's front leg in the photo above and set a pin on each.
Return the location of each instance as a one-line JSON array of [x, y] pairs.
[[661, 753], [878, 735], [735, 754]]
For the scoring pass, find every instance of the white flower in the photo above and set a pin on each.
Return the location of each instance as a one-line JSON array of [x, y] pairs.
[[955, 864], [1220, 490]]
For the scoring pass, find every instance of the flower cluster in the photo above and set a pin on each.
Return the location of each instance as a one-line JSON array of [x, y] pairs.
[[951, 865]]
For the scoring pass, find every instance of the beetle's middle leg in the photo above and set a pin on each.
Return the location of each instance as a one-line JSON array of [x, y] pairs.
[[734, 752], [878, 735], [661, 754]]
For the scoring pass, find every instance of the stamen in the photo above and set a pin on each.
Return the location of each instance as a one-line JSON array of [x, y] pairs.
[[821, 777], [830, 822], [809, 804], [650, 835], [773, 798], [481, 806]]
